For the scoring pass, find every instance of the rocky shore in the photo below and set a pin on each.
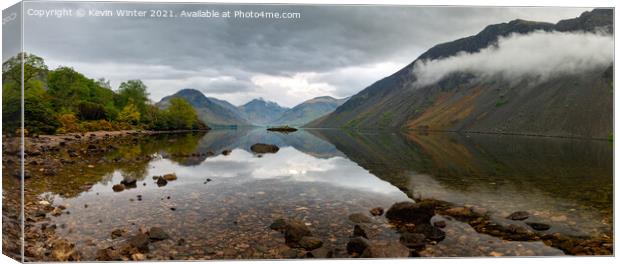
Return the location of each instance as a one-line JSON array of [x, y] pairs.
[[420, 225]]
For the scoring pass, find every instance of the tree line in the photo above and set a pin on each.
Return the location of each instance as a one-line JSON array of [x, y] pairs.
[[64, 101]]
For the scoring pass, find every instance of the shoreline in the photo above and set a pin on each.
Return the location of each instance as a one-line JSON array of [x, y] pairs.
[[460, 132], [41, 148]]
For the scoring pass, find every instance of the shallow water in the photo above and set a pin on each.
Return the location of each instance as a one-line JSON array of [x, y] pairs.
[[322, 176]]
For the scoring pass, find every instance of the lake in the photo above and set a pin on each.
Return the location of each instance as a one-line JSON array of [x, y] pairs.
[[226, 196]]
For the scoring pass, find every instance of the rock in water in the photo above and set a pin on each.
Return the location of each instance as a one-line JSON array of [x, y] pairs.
[[538, 226], [357, 245], [118, 187], [359, 218], [278, 225], [431, 232], [421, 212], [264, 148], [156, 233], [377, 211], [161, 182], [440, 223], [140, 241], [128, 180], [518, 216], [385, 249], [358, 231], [294, 231], [62, 250], [459, 212], [170, 177], [321, 253], [117, 233], [413, 240], [310, 243]]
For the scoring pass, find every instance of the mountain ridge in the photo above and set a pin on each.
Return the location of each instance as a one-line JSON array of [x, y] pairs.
[[456, 104]]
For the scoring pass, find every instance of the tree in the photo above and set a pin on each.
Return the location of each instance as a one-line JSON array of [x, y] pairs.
[[129, 114], [103, 83], [182, 115], [133, 91], [34, 67]]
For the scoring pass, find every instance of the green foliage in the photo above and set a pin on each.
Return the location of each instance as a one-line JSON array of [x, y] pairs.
[[64, 101], [133, 91], [34, 67], [129, 114], [179, 115]]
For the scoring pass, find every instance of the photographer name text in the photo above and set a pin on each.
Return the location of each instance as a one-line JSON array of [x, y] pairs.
[[161, 13]]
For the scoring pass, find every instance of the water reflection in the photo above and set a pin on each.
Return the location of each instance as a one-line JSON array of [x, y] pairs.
[[322, 176], [566, 181]]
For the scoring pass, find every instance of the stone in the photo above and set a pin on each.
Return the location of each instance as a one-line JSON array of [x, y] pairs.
[[377, 211], [359, 218], [359, 231], [357, 245], [385, 249], [139, 241], [264, 148], [278, 225], [294, 231], [62, 250], [518, 216], [128, 181], [170, 177], [138, 257], [440, 223], [117, 233], [410, 212], [39, 213], [413, 240], [156, 233], [161, 182], [459, 212], [430, 232], [118, 187], [108, 254], [538, 226], [321, 252], [310, 243]]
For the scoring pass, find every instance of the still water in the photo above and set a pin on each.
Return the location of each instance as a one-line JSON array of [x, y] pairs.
[[221, 206]]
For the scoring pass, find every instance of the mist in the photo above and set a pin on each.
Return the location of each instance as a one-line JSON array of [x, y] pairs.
[[539, 54]]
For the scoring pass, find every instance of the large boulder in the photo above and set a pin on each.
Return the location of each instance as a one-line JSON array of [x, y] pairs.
[[421, 212]]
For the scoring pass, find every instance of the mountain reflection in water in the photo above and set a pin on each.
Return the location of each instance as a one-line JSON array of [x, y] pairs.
[[322, 176]]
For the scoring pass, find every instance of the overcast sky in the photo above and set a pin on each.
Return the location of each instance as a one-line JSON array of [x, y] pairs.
[[330, 50]]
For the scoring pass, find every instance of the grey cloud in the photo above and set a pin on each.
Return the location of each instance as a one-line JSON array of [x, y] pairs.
[[325, 40]]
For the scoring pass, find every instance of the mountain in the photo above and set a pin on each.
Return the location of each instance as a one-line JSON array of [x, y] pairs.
[[261, 112], [571, 105], [213, 112], [309, 110]]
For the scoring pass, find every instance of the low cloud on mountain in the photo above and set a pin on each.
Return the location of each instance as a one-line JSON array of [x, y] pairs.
[[539, 54]]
